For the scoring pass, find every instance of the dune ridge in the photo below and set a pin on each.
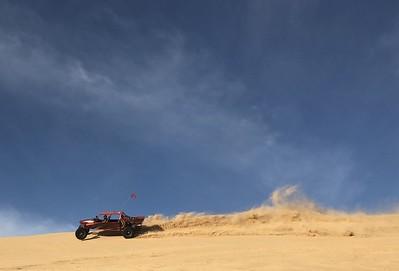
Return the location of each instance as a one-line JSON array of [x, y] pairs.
[[288, 212]]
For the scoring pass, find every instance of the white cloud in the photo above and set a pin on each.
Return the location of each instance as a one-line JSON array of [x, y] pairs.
[[15, 223]]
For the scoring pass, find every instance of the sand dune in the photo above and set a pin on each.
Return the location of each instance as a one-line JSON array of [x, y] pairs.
[[288, 233]]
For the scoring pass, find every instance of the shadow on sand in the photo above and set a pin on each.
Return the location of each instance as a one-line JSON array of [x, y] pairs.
[[142, 230]]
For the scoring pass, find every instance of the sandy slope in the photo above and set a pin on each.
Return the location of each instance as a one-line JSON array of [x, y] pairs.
[[291, 234], [64, 252]]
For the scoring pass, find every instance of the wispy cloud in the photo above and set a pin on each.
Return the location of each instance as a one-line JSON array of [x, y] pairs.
[[14, 222], [175, 97]]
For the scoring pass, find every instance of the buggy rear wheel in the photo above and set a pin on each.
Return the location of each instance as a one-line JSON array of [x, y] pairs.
[[128, 232]]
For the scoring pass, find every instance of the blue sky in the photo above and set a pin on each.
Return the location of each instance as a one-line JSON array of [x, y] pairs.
[[195, 106]]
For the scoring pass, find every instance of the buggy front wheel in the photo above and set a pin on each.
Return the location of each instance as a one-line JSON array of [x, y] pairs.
[[81, 233]]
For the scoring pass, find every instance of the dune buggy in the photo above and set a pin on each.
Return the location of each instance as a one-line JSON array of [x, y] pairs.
[[110, 221]]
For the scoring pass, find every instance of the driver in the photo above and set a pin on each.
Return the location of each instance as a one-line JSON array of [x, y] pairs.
[[105, 218]]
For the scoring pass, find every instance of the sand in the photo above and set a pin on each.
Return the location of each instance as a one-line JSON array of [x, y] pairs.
[[63, 252], [291, 233]]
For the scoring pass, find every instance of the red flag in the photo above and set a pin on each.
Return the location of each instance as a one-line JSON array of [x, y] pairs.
[[133, 196]]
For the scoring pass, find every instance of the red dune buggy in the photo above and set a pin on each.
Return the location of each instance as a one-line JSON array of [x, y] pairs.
[[111, 221]]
